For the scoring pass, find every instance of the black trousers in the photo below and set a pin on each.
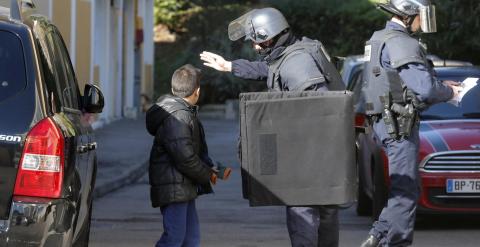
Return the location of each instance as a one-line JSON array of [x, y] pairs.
[[314, 226]]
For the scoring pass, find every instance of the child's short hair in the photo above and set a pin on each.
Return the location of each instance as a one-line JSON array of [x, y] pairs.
[[185, 80]]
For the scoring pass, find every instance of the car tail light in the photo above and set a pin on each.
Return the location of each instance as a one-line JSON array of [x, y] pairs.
[[40, 173], [359, 120]]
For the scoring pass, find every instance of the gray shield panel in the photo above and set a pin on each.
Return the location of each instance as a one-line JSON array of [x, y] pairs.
[[298, 148]]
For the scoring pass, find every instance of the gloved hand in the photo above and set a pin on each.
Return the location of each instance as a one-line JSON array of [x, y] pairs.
[[222, 172]]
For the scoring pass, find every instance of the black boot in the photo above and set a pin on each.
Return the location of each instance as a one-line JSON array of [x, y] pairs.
[[371, 241]]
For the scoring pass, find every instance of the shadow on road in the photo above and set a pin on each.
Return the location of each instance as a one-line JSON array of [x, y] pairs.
[[447, 222]]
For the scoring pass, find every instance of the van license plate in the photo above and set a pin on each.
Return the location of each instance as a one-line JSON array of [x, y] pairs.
[[463, 185]]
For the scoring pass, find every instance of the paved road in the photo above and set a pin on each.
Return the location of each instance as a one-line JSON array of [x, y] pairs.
[[125, 218]]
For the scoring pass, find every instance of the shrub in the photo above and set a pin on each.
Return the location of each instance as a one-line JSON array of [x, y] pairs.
[[343, 27], [458, 24], [207, 31]]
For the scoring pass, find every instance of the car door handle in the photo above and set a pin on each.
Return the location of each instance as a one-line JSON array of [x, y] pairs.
[[82, 149], [92, 146]]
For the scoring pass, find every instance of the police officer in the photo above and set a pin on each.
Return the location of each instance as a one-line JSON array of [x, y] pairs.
[[288, 64], [399, 83]]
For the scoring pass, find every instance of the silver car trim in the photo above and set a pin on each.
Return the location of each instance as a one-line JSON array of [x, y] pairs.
[[453, 168], [456, 197], [432, 155], [459, 158], [451, 171], [434, 162]]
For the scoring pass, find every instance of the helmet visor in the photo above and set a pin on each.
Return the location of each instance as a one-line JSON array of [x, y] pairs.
[[240, 27], [428, 19]]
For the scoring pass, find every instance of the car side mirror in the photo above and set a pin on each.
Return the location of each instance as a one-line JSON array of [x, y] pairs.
[[93, 100]]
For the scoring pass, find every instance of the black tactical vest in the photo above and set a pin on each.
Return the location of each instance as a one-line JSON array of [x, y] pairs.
[[379, 81], [315, 49]]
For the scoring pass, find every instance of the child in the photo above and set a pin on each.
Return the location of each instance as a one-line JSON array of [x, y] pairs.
[[180, 168]]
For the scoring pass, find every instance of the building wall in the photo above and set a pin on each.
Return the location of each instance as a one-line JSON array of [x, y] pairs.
[[149, 49], [101, 38], [146, 15], [102, 55], [130, 94], [115, 58], [82, 42], [61, 16], [44, 7]]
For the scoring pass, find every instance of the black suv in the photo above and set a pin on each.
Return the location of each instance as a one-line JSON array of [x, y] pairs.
[[47, 157]]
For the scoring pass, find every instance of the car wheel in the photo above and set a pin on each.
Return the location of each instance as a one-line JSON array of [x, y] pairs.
[[84, 237], [380, 190]]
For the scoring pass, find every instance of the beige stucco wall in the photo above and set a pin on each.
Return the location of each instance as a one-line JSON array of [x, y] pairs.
[[61, 17], [43, 7], [113, 62], [83, 58]]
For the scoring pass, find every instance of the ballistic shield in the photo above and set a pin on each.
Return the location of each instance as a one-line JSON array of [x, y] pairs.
[[298, 148]]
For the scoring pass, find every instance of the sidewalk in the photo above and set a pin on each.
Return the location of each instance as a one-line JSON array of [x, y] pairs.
[[123, 152]]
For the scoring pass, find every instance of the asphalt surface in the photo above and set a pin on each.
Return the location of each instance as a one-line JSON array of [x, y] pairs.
[[123, 151], [124, 217]]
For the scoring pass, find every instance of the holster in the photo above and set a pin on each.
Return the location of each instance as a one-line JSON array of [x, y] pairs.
[[406, 117], [388, 116]]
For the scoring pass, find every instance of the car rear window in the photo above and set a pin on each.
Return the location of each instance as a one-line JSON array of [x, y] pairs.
[[12, 66], [469, 108]]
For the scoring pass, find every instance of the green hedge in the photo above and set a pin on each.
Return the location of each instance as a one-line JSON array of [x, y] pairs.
[[343, 27], [458, 35], [206, 30]]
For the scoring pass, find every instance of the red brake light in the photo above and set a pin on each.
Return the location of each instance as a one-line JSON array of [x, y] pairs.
[[40, 173], [359, 120]]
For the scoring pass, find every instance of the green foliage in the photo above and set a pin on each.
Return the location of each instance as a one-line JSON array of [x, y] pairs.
[[458, 34], [207, 31], [343, 26], [174, 13]]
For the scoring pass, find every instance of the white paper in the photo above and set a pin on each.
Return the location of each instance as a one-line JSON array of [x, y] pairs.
[[368, 53], [466, 85]]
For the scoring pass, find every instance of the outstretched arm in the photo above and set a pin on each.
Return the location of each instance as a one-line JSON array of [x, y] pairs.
[[416, 74], [250, 70], [418, 78], [215, 61]]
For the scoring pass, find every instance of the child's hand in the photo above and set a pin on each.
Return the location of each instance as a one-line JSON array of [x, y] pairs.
[[213, 178], [222, 172]]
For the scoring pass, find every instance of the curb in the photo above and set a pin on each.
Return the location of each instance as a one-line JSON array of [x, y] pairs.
[[128, 177]]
